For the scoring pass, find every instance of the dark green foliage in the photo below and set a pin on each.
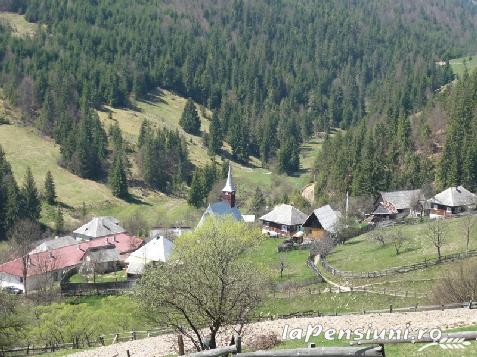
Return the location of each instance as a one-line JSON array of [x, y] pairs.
[[117, 178], [50, 191], [256, 63], [190, 120], [163, 159], [288, 157], [9, 197], [202, 182], [215, 135], [258, 201], [143, 132], [59, 221], [458, 165], [30, 199]]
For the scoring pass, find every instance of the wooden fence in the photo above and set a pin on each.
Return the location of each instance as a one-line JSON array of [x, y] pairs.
[[78, 289], [396, 270]]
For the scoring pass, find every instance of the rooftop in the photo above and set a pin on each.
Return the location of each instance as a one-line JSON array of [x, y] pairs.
[[286, 215]]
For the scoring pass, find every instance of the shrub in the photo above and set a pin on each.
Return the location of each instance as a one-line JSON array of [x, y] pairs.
[[263, 342], [459, 285]]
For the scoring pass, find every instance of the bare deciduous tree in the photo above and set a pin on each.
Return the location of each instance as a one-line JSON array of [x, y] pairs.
[[397, 239], [377, 235], [209, 283], [22, 240], [323, 247], [468, 223], [437, 234], [458, 285]]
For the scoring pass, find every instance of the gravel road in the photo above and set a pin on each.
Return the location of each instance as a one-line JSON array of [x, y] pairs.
[[166, 344]]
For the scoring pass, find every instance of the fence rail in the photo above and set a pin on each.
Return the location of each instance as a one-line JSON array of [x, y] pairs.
[[396, 270], [78, 289]]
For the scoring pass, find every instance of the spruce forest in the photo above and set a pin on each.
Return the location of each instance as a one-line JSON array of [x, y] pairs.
[[273, 73]]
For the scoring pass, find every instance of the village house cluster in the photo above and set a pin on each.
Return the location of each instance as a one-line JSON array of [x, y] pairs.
[[102, 245]]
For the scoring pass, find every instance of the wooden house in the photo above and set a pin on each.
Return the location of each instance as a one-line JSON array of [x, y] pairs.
[[452, 201], [283, 220], [322, 221], [398, 204]]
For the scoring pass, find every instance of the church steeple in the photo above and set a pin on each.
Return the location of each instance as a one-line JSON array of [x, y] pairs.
[[228, 192]]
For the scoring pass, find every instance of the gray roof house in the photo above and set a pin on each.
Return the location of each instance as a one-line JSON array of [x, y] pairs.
[[321, 221], [453, 200], [399, 203], [99, 227], [284, 220], [55, 243], [101, 259]]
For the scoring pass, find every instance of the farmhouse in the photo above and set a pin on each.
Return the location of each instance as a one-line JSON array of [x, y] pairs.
[[45, 267], [283, 220], [227, 206], [157, 250], [99, 227], [398, 204], [322, 221], [452, 201], [55, 243]]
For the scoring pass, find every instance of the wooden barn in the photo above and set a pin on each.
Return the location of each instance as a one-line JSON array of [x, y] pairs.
[[322, 221]]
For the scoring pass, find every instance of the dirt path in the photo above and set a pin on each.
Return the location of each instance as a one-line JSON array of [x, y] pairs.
[[166, 344]]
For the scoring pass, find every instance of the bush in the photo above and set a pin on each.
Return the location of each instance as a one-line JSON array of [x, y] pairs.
[[4, 121], [263, 342], [459, 285]]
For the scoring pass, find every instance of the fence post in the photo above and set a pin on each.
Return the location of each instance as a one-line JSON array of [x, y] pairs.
[[127, 353], [133, 335], [180, 342], [238, 343], [390, 308]]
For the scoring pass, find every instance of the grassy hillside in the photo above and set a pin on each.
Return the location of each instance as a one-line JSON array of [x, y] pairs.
[[459, 65], [26, 148], [364, 254]]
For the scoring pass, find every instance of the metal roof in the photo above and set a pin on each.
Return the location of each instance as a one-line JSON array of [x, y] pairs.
[[229, 185], [220, 209]]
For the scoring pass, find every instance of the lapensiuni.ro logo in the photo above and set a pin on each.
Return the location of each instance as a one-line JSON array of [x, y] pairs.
[[371, 333]]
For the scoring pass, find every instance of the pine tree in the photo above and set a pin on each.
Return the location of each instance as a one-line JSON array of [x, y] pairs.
[[196, 194], [50, 190], [143, 133], [117, 178], [258, 201], [59, 221], [215, 135], [31, 205], [9, 197], [288, 157], [190, 120]]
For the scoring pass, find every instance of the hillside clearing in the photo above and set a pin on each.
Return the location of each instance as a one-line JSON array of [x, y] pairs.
[[19, 25], [458, 65]]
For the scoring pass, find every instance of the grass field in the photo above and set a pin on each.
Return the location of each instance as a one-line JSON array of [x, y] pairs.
[[19, 25], [364, 254], [459, 65]]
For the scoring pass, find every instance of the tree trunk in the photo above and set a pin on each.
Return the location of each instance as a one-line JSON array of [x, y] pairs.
[[439, 252]]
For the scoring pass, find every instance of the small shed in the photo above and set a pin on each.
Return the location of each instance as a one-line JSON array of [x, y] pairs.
[[323, 220], [156, 250]]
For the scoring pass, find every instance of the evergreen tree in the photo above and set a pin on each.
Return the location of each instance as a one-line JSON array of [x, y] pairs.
[[215, 135], [50, 190], [197, 195], [190, 120], [9, 197], [31, 205], [143, 132], [59, 221], [117, 178], [258, 201], [288, 157]]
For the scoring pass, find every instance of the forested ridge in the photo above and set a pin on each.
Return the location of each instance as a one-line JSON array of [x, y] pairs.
[[273, 72]]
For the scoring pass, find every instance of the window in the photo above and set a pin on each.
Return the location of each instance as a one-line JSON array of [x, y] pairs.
[[284, 228]]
